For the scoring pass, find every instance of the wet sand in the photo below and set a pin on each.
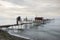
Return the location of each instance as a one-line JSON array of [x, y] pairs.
[[5, 36]]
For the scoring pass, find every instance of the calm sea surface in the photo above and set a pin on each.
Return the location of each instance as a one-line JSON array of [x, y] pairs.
[[48, 31]]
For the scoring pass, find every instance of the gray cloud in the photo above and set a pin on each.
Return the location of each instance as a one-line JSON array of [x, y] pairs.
[[39, 7]]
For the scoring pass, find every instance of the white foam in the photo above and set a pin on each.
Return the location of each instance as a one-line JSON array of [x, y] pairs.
[[19, 36]]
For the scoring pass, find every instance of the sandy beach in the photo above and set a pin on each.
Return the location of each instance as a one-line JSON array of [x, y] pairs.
[[5, 36]]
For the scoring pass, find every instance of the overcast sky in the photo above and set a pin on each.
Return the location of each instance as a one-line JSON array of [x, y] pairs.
[[10, 9]]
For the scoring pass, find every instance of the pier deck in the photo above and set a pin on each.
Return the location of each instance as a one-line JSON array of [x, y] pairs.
[[13, 25]]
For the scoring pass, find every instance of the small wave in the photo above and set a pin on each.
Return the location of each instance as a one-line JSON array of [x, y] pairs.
[[19, 36]]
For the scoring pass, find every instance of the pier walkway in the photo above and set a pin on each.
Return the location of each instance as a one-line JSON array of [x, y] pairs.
[[13, 25]]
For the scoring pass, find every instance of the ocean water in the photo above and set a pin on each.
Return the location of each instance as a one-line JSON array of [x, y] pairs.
[[48, 31]]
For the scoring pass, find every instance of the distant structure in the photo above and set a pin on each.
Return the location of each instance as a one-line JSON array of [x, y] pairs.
[[38, 18], [18, 20], [26, 19]]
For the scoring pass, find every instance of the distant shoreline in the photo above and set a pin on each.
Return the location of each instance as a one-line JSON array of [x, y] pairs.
[[6, 36]]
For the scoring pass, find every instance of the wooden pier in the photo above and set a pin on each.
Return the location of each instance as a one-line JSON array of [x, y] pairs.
[[13, 25], [21, 23]]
